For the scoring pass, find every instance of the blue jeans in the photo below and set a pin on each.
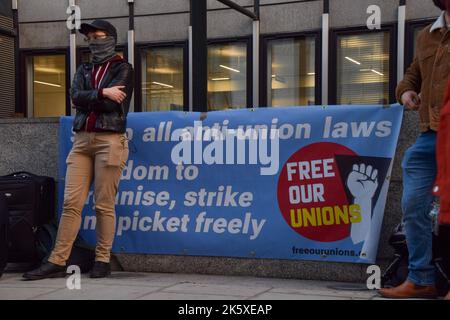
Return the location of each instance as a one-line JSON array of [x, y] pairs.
[[419, 173]]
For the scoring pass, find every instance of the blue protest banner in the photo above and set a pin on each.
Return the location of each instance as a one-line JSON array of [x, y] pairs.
[[304, 183]]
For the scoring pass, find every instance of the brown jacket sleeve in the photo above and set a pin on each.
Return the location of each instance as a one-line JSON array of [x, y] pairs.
[[411, 81]]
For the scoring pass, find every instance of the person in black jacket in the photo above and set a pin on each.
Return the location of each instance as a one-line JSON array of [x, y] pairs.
[[101, 92]]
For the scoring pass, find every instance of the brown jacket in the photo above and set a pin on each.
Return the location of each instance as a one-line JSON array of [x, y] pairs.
[[429, 72]]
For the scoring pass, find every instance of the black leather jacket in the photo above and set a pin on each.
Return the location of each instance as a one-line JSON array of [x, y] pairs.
[[111, 115]]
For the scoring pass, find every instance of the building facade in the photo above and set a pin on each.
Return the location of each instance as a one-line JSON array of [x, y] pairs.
[[301, 60]]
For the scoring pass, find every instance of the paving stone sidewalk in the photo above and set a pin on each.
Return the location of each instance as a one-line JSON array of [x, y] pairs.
[[161, 286]]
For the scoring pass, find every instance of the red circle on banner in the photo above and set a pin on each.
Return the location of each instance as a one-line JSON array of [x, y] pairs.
[[312, 198]]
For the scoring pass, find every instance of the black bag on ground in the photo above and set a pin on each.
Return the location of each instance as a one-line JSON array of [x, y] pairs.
[[82, 254], [3, 233], [31, 203], [397, 271]]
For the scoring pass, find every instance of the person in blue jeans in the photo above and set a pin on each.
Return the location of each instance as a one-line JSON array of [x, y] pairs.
[[422, 89], [419, 174]]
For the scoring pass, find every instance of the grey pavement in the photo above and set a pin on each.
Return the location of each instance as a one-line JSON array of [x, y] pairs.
[[165, 286]]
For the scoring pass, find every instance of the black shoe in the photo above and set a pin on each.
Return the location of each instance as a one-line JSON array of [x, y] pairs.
[[46, 270], [100, 270]]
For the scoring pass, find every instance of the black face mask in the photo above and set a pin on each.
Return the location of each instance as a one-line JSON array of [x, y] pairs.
[[102, 49]]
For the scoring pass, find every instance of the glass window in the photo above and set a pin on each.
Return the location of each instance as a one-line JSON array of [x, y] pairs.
[[47, 85], [291, 72], [162, 79], [227, 76], [413, 28], [416, 33], [363, 68]]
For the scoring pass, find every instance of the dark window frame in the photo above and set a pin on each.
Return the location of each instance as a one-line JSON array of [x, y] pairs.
[[336, 32], [248, 40], [139, 47], [24, 54], [266, 38], [411, 27]]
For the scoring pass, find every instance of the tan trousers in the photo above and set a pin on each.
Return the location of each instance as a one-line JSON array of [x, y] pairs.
[[94, 156]]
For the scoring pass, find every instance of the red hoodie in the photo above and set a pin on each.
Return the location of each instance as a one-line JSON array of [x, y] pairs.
[[442, 185], [98, 73]]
